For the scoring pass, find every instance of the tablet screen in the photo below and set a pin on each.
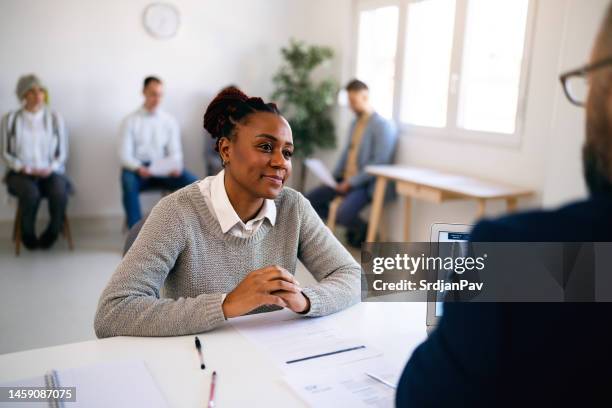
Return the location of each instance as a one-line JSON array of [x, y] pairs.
[[453, 251]]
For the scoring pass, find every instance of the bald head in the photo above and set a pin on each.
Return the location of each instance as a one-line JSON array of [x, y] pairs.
[[597, 150]]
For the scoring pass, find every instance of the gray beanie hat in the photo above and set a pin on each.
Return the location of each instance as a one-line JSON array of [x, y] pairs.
[[25, 83]]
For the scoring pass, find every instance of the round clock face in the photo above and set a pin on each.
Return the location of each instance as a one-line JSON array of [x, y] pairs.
[[161, 20]]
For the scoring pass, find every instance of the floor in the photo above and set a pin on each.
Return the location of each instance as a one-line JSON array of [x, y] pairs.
[[50, 298]]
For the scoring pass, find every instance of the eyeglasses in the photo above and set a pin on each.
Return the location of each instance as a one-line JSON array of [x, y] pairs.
[[576, 83]]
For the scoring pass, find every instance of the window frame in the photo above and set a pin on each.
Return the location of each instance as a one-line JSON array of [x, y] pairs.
[[451, 132], [365, 5]]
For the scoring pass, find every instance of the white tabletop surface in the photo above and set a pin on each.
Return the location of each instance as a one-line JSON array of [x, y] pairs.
[[447, 181], [245, 375]]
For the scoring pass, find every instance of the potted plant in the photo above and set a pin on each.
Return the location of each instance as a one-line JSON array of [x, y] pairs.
[[306, 103]]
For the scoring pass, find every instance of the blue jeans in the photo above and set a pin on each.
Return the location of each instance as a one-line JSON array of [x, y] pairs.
[[348, 212], [132, 184]]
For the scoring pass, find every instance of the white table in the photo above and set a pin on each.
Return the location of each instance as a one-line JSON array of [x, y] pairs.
[[245, 376]]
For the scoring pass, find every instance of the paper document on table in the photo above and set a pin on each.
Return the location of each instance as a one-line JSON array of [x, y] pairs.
[[303, 345], [319, 169], [350, 388], [112, 384], [164, 166]]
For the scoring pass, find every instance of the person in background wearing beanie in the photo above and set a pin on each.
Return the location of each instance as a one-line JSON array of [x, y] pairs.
[[149, 134], [35, 149], [229, 244]]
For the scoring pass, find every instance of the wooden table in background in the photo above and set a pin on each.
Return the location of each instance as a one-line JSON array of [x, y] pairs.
[[436, 187]]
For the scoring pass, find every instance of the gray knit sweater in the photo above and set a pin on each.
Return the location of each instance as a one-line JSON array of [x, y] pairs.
[[172, 279]]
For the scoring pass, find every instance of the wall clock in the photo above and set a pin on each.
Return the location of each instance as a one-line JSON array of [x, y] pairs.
[[161, 20]]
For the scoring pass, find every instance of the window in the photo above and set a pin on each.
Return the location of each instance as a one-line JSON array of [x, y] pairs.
[[492, 60], [460, 63], [427, 59], [377, 45]]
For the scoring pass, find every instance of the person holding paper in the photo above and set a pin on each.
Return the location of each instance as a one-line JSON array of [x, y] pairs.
[[150, 151], [229, 244], [35, 149], [372, 140]]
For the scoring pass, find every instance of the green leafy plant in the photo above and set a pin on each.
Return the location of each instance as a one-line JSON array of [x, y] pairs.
[[306, 103]]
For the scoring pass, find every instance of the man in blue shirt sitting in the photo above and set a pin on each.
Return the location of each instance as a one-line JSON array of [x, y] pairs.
[[372, 140]]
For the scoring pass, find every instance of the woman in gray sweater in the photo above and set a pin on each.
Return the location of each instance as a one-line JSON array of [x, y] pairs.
[[228, 245]]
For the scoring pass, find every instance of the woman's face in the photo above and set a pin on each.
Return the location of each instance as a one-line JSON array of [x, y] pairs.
[[259, 156], [35, 97]]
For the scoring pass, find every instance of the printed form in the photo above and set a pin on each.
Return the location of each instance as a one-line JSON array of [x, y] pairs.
[[320, 364]]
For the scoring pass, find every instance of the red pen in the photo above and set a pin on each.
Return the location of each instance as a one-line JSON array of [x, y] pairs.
[[211, 396]]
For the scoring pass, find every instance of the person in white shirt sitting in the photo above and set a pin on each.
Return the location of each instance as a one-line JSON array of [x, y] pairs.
[[150, 135], [35, 148]]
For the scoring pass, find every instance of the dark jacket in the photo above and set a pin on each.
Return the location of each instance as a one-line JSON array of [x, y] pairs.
[[520, 354]]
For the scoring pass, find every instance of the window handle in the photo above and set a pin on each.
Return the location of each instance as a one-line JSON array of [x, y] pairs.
[[454, 80]]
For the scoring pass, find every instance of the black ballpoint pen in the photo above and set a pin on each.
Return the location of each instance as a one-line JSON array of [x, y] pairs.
[[199, 348]]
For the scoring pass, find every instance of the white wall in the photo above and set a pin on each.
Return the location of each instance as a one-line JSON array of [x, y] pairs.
[[94, 55]]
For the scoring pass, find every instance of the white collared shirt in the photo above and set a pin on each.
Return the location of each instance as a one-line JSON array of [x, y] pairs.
[[215, 196], [35, 140], [147, 136]]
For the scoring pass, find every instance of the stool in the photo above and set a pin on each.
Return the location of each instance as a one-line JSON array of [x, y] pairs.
[[332, 214], [17, 231]]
